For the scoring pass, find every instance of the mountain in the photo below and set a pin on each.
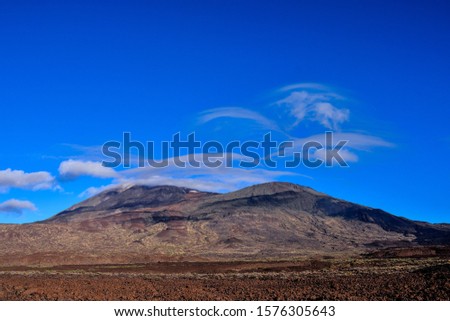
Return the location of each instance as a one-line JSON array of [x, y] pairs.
[[268, 221]]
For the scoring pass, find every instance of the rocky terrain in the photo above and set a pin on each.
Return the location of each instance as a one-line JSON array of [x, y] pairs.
[[345, 279]]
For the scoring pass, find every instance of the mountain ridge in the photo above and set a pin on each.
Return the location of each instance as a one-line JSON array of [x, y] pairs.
[[266, 221], [274, 195]]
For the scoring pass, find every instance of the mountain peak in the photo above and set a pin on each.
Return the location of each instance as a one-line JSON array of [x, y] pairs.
[[271, 188], [130, 197]]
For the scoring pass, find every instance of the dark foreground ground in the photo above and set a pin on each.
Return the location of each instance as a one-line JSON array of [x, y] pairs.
[[350, 279]]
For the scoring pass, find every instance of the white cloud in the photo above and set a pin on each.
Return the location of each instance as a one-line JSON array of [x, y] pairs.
[[236, 112], [31, 181], [347, 156], [72, 169], [16, 206], [309, 85], [91, 191], [203, 178], [330, 116], [219, 179], [304, 102], [315, 106], [355, 140]]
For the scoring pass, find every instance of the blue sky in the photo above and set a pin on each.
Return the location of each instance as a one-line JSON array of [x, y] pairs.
[[77, 74]]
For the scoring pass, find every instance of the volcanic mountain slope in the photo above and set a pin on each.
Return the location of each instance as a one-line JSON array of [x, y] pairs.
[[273, 220]]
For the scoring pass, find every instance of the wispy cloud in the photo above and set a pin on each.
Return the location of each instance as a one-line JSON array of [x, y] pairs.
[[355, 140], [72, 169], [16, 206], [315, 106], [91, 191], [307, 103], [306, 85], [30, 181], [346, 154], [212, 179], [237, 112], [303, 102], [217, 179], [76, 152]]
